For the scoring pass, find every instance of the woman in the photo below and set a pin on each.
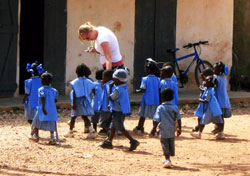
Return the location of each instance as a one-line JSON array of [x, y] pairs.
[[106, 44]]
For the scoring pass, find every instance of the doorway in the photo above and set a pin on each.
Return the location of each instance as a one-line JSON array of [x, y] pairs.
[[155, 29], [31, 36]]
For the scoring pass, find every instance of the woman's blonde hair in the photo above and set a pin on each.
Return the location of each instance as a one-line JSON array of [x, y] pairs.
[[84, 29]]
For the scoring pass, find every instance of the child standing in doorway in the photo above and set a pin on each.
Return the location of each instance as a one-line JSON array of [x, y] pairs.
[[46, 116], [82, 87], [150, 86], [120, 107], [220, 70], [31, 86], [165, 117]]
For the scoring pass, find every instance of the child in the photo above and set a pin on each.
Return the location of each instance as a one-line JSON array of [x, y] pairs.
[[150, 86], [80, 100], [211, 110], [165, 117], [46, 116], [120, 106], [173, 77], [31, 86], [96, 98], [220, 69], [204, 74], [167, 82], [104, 106]]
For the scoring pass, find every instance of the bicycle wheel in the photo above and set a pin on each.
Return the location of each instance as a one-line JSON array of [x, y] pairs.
[[199, 68]]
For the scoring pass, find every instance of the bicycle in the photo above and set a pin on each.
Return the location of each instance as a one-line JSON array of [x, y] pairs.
[[200, 63]]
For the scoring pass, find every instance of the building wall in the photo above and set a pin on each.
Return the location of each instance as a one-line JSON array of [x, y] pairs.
[[210, 20], [205, 20], [116, 15]]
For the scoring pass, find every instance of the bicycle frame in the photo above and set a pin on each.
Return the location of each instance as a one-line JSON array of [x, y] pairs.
[[184, 57]]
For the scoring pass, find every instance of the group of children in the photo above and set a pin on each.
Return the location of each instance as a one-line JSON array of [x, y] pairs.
[[107, 102], [214, 103]]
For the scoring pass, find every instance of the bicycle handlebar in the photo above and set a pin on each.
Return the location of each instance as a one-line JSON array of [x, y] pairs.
[[189, 45]]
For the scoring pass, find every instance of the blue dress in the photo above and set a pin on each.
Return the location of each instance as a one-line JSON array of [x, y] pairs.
[[169, 83], [167, 114], [150, 99], [211, 111], [96, 101], [121, 101], [105, 103], [42, 121], [222, 97], [31, 87], [82, 87], [199, 110], [174, 78]]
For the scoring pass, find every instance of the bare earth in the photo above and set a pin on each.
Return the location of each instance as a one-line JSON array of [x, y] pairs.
[[79, 156]]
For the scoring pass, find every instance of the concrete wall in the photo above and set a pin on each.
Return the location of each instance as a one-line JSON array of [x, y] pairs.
[[116, 15], [210, 20]]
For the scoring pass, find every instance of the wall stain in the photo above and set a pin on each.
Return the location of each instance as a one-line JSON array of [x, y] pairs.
[[117, 26]]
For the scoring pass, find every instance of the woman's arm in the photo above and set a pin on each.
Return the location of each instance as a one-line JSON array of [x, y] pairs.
[[106, 49]]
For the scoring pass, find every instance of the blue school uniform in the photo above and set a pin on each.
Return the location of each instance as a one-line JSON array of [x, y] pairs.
[[82, 87], [42, 121], [211, 111], [222, 96], [120, 106], [150, 98], [166, 114], [174, 78], [199, 110], [121, 101], [169, 83], [96, 101], [104, 104], [31, 87]]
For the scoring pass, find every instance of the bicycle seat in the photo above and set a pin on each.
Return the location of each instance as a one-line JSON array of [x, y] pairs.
[[173, 50]]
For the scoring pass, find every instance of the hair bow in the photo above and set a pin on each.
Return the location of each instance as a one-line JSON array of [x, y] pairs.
[[29, 68], [226, 70], [40, 69]]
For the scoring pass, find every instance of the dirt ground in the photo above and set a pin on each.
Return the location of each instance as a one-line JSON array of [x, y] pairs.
[[80, 156]]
